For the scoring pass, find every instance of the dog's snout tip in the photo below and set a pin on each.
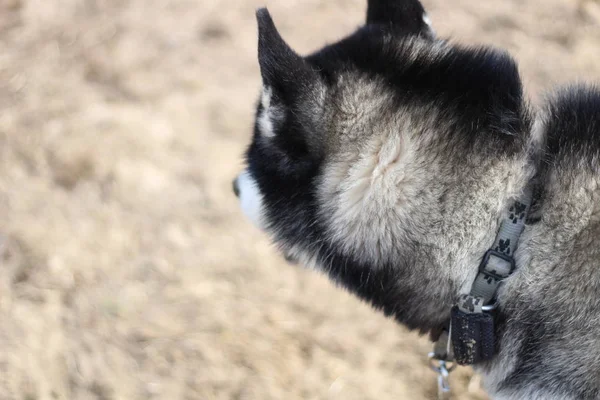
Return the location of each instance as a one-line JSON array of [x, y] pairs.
[[236, 188]]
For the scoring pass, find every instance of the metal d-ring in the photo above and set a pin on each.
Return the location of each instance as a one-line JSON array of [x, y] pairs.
[[489, 307]]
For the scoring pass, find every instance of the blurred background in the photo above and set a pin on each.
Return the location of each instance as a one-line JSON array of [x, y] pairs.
[[126, 268]]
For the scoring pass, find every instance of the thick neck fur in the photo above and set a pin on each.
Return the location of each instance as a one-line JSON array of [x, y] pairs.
[[398, 200], [549, 319], [399, 197], [452, 202], [405, 198]]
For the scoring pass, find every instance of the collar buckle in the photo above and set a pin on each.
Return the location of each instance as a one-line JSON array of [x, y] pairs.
[[489, 266]]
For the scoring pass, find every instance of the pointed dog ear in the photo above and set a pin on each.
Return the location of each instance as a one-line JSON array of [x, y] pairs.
[[404, 17], [282, 69]]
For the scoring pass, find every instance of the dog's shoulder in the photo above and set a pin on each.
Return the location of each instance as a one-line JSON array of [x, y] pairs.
[[551, 301]]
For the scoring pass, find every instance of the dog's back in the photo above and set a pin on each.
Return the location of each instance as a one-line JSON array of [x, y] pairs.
[[551, 305]]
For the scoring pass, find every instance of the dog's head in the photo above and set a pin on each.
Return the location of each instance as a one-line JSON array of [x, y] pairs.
[[372, 158]]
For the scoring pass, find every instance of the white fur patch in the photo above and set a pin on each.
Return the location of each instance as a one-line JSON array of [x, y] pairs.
[[366, 186], [428, 23], [269, 114], [361, 184], [366, 197], [427, 20], [538, 133], [251, 199]]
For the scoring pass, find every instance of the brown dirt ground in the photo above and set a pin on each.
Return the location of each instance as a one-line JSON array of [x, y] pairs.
[[127, 271]]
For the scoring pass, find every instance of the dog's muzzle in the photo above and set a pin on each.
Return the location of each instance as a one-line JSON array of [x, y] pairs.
[[251, 199]]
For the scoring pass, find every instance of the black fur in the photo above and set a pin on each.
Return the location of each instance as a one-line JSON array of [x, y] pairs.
[[282, 68], [573, 128], [470, 100], [479, 90], [401, 17], [295, 221]]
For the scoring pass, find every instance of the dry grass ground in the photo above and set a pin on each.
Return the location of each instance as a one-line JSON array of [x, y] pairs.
[[127, 271]]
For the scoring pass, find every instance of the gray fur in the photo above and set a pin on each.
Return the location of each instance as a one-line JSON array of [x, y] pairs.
[[406, 189]]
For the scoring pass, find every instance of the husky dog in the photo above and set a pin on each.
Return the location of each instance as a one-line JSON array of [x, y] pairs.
[[385, 160]]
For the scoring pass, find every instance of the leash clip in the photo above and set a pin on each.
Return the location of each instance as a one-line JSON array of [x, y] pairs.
[[441, 361], [442, 368]]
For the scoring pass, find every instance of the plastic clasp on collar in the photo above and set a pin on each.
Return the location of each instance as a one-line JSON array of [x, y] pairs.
[[493, 274]]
